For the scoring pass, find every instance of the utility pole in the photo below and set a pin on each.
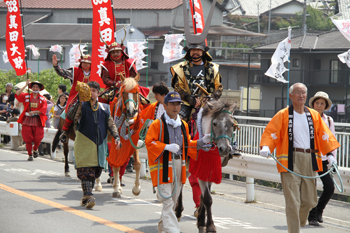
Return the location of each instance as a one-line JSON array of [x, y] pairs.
[[268, 32], [258, 19], [304, 18]]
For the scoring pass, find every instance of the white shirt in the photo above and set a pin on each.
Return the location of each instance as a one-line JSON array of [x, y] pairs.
[[301, 132], [160, 111], [332, 129]]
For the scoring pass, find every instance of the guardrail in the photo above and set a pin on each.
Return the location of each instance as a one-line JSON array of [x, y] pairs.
[[249, 165]]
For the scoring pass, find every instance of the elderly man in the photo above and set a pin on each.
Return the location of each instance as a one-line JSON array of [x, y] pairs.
[[299, 133]]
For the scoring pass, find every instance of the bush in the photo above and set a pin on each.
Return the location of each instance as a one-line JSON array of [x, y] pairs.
[[47, 77]]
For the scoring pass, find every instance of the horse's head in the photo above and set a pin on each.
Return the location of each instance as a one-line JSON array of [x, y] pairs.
[[130, 96], [218, 120]]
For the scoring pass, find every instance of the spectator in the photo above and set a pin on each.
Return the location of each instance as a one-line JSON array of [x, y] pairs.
[[8, 95], [60, 106], [62, 88], [17, 141], [50, 105]]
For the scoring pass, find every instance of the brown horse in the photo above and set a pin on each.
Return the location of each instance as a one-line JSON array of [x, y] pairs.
[[127, 106]]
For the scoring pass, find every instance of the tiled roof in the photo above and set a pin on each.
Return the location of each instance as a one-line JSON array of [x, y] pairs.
[[60, 32], [251, 6], [224, 30], [86, 4], [27, 19], [332, 40]]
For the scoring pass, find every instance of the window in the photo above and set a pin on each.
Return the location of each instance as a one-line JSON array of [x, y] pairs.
[[295, 62], [50, 54], [317, 64], [154, 65], [43, 54], [122, 21], [85, 20], [334, 69]]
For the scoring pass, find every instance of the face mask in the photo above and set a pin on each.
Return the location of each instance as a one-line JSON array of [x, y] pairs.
[[36, 92], [117, 57], [5, 98]]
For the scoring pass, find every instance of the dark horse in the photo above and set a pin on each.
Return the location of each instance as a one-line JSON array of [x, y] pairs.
[[217, 119], [71, 136]]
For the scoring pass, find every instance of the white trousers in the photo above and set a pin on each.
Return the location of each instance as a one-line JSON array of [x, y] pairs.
[[168, 221]]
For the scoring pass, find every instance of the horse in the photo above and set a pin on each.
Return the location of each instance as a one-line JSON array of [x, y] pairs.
[[126, 107], [216, 119]]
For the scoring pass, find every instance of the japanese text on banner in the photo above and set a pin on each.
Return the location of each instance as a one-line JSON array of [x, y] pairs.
[[102, 20], [14, 39]]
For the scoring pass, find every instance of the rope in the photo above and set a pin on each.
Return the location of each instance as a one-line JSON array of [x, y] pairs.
[[142, 134], [330, 171]]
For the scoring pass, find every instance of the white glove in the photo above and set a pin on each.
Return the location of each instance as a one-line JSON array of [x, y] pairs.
[[117, 143], [265, 151], [206, 138], [130, 122], [331, 160], [139, 143], [27, 114], [173, 148], [149, 123]]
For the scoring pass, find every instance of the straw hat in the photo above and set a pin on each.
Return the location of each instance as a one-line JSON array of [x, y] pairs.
[[323, 95]]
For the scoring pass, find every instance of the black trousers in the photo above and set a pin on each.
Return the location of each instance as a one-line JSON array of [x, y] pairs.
[[328, 190]]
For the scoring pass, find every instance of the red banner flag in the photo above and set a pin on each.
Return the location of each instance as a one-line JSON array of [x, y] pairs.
[[102, 20], [14, 40]]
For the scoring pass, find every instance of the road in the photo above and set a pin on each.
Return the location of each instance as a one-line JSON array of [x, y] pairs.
[[36, 197]]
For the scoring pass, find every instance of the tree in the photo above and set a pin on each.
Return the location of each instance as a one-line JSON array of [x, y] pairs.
[[47, 77]]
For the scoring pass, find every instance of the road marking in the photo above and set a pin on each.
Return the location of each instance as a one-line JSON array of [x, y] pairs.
[[69, 209]]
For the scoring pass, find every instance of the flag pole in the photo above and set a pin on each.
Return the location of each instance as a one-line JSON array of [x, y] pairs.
[[289, 29], [24, 41]]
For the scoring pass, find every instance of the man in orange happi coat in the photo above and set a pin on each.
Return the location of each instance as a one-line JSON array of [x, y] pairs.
[[300, 134], [168, 144]]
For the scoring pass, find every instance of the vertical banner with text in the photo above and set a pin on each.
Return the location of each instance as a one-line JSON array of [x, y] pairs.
[[14, 39], [102, 20], [197, 17]]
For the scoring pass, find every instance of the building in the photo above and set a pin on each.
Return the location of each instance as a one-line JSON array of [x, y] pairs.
[[65, 22], [314, 62]]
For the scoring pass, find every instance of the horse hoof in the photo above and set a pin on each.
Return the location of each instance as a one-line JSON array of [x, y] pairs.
[[67, 174], [201, 230], [98, 188], [136, 191], [211, 228], [116, 195]]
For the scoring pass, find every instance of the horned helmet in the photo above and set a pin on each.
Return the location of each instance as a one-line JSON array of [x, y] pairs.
[[197, 41], [83, 58], [115, 46]]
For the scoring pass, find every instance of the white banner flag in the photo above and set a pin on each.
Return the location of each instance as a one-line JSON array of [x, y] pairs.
[[345, 58], [34, 49], [135, 51], [4, 57], [278, 59], [56, 48], [172, 50], [343, 26], [74, 54]]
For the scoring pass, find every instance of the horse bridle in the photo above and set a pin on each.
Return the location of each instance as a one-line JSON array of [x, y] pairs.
[[214, 139], [126, 101]]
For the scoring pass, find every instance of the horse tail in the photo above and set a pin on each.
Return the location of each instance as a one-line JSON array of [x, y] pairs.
[[56, 140]]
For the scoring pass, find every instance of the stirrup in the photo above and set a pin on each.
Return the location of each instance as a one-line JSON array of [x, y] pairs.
[[63, 137]]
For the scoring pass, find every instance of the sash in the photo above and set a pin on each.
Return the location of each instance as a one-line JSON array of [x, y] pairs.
[[290, 138], [166, 153]]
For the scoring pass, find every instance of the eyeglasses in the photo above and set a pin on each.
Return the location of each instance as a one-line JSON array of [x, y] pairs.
[[299, 93]]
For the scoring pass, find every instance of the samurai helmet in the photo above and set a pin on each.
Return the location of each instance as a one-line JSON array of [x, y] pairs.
[[83, 58], [197, 41], [115, 46]]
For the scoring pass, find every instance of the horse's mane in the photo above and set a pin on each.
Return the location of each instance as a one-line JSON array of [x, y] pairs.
[[215, 107], [129, 84]]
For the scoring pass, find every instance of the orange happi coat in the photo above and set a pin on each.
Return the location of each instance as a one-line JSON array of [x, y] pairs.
[[276, 135], [155, 149]]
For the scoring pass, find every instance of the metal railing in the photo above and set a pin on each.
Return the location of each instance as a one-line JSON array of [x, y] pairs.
[[249, 136]]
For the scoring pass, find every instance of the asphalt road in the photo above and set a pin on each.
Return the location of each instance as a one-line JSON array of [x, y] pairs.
[[36, 197]]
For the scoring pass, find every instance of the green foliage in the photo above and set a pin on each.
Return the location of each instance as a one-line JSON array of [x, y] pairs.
[[317, 20], [47, 77]]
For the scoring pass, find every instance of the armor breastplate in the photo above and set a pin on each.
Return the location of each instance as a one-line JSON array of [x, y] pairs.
[[119, 68]]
